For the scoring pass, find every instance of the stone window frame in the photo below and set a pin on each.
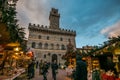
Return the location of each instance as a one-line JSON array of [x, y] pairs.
[[45, 55], [69, 39], [33, 45], [40, 45], [57, 46], [62, 47], [46, 46], [39, 37], [52, 46], [61, 39], [48, 38]]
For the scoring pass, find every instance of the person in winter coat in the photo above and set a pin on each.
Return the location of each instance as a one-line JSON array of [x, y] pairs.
[[40, 67], [28, 70], [81, 69], [54, 67], [31, 70], [45, 70], [96, 74], [37, 64]]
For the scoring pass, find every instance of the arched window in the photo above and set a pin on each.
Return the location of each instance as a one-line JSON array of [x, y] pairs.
[[44, 55], [52, 46], [62, 47], [39, 37], [47, 37], [46, 45], [57, 46], [33, 44], [40, 45], [69, 39], [61, 39]]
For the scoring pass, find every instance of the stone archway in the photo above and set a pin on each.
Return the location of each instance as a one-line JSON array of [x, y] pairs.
[[54, 57]]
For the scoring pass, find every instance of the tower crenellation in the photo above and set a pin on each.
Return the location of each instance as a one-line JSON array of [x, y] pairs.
[[42, 27], [54, 24]]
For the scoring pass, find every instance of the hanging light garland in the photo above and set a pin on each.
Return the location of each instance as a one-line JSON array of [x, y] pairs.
[[108, 46]]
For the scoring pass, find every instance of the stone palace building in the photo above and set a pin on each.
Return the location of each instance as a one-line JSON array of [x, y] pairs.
[[50, 43]]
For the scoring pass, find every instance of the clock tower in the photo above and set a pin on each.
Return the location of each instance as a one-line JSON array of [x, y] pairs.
[[54, 19]]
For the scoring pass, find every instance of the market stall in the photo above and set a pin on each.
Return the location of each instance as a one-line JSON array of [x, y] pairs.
[[14, 62]]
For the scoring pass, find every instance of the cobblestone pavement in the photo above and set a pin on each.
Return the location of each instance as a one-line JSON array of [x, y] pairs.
[[60, 76]]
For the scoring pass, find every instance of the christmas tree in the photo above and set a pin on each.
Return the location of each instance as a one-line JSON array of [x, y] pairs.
[[11, 31], [69, 54], [8, 18]]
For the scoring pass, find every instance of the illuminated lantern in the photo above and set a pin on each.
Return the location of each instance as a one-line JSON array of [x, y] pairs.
[[84, 58]]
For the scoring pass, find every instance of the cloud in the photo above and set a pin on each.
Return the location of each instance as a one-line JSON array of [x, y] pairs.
[[33, 11], [112, 31], [86, 17]]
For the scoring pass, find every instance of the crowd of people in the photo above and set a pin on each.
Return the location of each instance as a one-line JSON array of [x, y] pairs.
[[43, 69], [100, 74], [79, 72]]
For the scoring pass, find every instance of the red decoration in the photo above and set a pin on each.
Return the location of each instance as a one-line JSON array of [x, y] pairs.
[[30, 54]]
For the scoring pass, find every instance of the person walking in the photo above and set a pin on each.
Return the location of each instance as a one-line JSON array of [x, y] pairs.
[[54, 67], [31, 70], [45, 68], [81, 69], [96, 74], [37, 63], [40, 67]]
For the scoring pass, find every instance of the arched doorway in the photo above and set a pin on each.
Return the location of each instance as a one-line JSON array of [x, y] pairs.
[[54, 57]]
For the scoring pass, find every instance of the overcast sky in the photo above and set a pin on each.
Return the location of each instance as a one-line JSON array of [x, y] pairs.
[[93, 20]]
